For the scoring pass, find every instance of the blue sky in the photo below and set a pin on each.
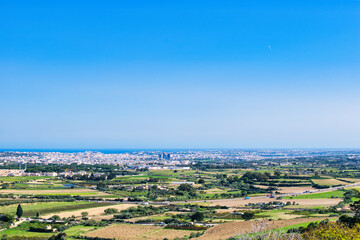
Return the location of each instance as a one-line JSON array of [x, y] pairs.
[[180, 74]]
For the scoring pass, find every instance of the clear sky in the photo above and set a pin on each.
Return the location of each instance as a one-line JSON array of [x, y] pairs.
[[180, 74]]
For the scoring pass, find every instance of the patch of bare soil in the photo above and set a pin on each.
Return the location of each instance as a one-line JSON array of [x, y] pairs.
[[136, 232], [96, 211], [227, 230]]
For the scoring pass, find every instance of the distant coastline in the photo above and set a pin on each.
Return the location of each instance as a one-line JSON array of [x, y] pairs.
[[117, 151]]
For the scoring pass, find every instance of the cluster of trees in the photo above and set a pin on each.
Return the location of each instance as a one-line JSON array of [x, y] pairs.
[[250, 177], [248, 215], [184, 191], [197, 216], [140, 212], [7, 218], [186, 188], [348, 198], [155, 192], [349, 194], [244, 184]]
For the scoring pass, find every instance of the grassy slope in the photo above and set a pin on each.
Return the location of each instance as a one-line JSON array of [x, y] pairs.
[[23, 233], [77, 230]]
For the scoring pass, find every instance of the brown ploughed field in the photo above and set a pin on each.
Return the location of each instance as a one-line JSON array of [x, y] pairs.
[[227, 230]]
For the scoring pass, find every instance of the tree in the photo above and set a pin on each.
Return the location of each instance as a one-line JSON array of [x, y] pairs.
[[8, 218], [60, 236], [186, 188], [111, 211], [356, 208], [248, 215], [100, 185], [55, 217], [19, 211], [84, 214], [38, 214], [277, 174], [356, 205], [201, 181], [267, 174], [197, 216]]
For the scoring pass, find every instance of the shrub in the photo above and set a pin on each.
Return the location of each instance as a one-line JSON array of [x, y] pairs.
[[248, 215], [333, 231], [55, 217], [111, 211], [197, 216]]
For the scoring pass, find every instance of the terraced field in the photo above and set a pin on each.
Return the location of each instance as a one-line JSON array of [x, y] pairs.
[[350, 180], [328, 182]]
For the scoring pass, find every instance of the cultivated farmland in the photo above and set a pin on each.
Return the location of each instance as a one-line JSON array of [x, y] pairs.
[[136, 232]]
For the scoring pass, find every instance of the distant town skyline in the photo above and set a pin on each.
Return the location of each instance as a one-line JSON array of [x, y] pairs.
[[183, 74]]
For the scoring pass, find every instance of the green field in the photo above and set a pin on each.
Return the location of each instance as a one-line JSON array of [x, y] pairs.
[[78, 230], [332, 194], [30, 209], [14, 232], [69, 194], [274, 214], [36, 186], [128, 193], [171, 173], [22, 178]]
